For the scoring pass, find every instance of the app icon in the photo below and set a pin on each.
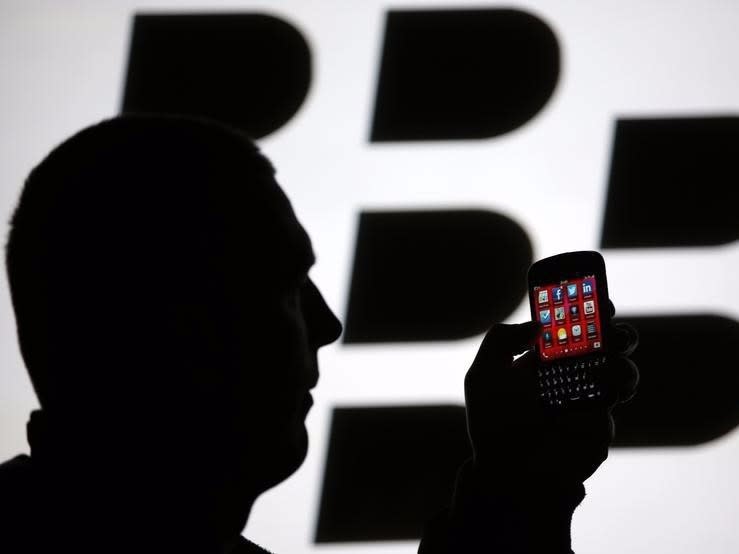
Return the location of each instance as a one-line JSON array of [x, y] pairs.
[[559, 313], [596, 344], [574, 311], [587, 288], [576, 330], [557, 294], [547, 336], [572, 292], [562, 334], [591, 330], [543, 297], [589, 307], [545, 316]]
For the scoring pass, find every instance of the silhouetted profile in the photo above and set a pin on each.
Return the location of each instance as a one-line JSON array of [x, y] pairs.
[[159, 280], [164, 312]]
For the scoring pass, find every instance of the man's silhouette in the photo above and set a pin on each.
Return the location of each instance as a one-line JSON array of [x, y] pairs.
[[164, 313]]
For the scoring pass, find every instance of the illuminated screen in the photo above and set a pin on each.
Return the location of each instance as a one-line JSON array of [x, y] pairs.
[[570, 317]]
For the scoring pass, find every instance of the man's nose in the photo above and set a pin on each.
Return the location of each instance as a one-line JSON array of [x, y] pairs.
[[323, 325]]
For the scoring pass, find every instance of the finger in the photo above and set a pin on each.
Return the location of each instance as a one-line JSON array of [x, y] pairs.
[[624, 339], [505, 341], [524, 369], [494, 359], [620, 376], [629, 380]]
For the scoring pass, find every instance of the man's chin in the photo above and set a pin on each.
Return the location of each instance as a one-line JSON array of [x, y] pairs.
[[291, 456]]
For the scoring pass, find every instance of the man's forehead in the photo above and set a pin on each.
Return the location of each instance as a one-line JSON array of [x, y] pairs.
[[287, 236], [303, 247]]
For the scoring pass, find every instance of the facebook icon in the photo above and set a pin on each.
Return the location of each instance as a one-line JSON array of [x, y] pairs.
[[557, 294], [587, 288]]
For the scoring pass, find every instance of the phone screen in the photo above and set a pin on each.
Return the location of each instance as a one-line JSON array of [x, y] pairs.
[[569, 314]]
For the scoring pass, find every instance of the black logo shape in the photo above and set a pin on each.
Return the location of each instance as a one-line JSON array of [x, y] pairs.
[[434, 275], [248, 70], [689, 381], [671, 183], [462, 74], [389, 470]]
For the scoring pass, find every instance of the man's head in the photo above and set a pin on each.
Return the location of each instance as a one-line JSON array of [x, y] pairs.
[[159, 279]]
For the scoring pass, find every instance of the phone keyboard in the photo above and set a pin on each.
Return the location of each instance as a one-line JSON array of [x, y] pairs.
[[568, 381]]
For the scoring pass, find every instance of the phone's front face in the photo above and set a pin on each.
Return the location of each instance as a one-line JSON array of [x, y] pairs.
[[569, 311]]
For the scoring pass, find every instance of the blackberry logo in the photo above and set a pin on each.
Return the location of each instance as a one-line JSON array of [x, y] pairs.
[[431, 275]]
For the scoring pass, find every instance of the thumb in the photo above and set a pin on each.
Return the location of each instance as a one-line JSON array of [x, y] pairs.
[[502, 341]]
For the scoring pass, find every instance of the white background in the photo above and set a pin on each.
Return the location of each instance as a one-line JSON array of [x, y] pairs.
[[62, 67]]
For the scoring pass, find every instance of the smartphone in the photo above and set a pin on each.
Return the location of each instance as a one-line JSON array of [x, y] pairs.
[[568, 294]]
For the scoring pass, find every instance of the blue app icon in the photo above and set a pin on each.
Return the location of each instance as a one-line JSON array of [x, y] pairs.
[[572, 292], [587, 287], [557, 294], [574, 311], [547, 336], [545, 316]]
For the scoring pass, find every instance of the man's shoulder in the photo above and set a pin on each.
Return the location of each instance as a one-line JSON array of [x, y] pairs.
[[22, 462], [247, 547], [15, 474]]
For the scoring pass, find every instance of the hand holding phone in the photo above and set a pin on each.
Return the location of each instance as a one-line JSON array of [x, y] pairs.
[[515, 435], [529, 461]]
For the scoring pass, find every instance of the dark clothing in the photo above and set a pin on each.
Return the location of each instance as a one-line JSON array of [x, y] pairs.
[[25, 526], [18, 508], [503, 516], [483, 517]]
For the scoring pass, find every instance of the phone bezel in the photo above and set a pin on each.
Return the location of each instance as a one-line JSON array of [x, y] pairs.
[[573, 265]]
